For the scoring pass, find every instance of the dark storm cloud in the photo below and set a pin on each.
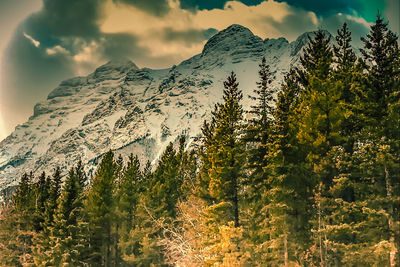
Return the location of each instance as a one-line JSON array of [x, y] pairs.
[[366, 8], [30, 73], [74, 24], [292, 24], [60, 18], [155, 7], [334, 22], [71, 26], [324, 7], [211, 4], [121, 45], [189, 36]]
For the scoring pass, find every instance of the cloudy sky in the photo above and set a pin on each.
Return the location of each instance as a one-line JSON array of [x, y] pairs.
[[45, 41]]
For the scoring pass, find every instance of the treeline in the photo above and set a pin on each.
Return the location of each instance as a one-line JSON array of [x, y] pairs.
[[312, 179]]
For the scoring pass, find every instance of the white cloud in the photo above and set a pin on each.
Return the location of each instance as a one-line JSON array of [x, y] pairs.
[[57, 50], [88, 53], [87, 58], [34, 42]]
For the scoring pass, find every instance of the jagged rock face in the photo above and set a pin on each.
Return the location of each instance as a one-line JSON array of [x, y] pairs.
[[139, 111]]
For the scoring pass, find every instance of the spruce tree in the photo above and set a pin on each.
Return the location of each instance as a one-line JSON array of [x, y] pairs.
[[320, 117], [54, 194], [100, 206], [157, 203], [204, 150], [129, 190], [63, 242], [81, 175], [345, 57], [381, 55], [165, 184], [187, 169], [42, 193], [349, 78], [16, 225], [23, 197], [287, 199], [225, 153], [316, 58], [128, 197], [259, 137]]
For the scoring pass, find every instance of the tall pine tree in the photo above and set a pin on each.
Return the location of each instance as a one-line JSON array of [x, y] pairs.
[[225, 151], [100, 206]]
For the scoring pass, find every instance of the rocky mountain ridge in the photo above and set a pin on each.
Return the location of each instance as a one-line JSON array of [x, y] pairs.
[[138, 110]]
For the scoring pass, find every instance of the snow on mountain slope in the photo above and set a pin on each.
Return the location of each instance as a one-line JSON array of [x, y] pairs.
[[132, 110]]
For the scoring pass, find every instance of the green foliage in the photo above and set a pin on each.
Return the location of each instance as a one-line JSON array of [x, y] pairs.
[[224, 150], [157, 202], [64, 240], [100, 206]]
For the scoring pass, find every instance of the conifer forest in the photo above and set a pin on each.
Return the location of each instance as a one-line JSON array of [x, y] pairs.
[[310, 176]]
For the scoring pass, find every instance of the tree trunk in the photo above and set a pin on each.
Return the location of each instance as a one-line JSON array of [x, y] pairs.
[[116, 241], [236, 205], [286, 254], [393, 254], [320, 227]]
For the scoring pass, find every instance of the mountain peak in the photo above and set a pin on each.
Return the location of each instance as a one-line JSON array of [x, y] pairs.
[[112, 69], [237, 28], [118, 64], [303, 39], [234, 36]]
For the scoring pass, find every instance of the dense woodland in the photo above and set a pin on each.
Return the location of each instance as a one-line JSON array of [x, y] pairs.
[[312, 179]]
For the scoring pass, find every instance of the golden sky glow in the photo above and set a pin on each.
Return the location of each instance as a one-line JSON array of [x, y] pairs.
[[149, 28]]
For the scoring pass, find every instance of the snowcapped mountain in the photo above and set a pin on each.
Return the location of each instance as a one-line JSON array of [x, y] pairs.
[[132, 110]]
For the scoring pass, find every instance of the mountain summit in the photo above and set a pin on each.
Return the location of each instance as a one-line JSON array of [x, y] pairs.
[[138, 110], [233, 38]]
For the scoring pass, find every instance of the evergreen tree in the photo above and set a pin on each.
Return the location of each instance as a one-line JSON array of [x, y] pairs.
[[129, 190], [258, 137], [345, 57], [349, 78], [204, 150], [188, 167], [316, 59], [157, 203], [381, 55], [42, 193], [287, 199], [81, 175], [225, 153], [23, 197], [64, 242], [101, 210], [128, 197], [16, 225], [320, 117], [54, 194]]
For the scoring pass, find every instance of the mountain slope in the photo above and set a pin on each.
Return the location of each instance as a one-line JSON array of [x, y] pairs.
[[132, 110]]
